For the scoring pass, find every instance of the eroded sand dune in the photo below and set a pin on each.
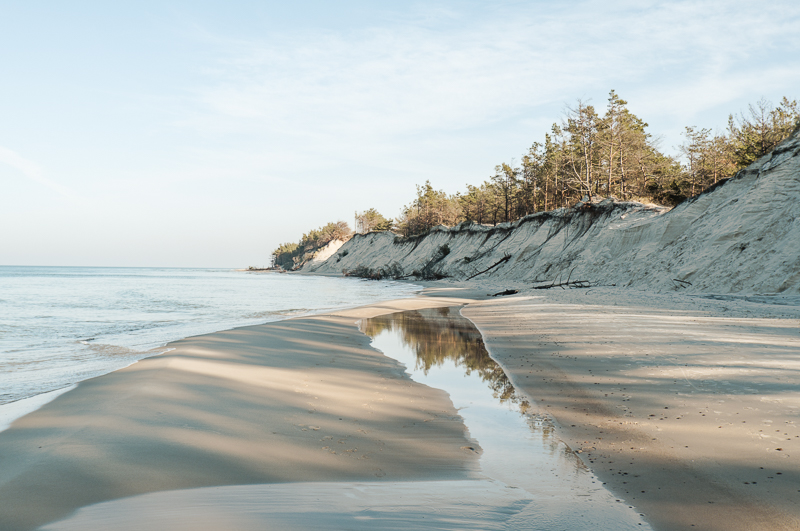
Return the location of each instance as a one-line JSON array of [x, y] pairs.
[[741, 237]]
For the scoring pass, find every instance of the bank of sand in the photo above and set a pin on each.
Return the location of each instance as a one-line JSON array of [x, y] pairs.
[[298, 400], [686, 407]]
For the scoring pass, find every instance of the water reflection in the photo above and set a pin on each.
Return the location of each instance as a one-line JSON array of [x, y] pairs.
[[442, 349], [440, 334]]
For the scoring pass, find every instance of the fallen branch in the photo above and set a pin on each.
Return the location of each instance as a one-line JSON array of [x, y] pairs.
[[683, 282], [506, 292], [568, 284], [506, 258]]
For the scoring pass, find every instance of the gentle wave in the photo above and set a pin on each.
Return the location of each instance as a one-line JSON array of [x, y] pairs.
[[290, 312]]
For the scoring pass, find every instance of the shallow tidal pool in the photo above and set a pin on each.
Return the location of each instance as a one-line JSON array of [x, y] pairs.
[[519, 448]]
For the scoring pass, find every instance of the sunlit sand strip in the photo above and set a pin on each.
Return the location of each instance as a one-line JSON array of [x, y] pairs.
[[14, 410]]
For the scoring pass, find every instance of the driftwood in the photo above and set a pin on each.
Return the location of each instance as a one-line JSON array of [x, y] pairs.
[[567, 284], [506, 292], [506, 258], [563, 285]]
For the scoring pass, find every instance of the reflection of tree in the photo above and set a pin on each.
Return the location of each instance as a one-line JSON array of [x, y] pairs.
[[441, 334]]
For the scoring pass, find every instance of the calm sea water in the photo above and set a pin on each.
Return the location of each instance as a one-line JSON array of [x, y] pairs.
[[61, 325]]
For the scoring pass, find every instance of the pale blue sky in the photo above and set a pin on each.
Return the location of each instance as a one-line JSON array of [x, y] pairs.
[[205, 133]]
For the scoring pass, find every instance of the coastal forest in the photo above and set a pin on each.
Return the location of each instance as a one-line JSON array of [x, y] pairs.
[[588, 154]]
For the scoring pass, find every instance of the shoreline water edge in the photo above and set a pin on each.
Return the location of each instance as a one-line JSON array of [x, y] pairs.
[[684, 406], [63, 325]]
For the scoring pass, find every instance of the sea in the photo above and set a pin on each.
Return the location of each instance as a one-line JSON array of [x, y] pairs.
[[62, 325]]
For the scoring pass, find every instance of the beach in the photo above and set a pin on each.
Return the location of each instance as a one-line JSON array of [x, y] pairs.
[[400, 266], [685, 407]]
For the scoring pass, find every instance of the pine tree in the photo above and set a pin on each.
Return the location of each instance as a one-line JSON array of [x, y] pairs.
[[694, 148], [755, 135], [582, 126]]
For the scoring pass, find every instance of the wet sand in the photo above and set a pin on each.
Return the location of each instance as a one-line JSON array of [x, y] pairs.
[[529, 480], [454, 505], [688, 410], [298, 400]]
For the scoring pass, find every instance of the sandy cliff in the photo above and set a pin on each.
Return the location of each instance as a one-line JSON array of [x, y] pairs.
[[742, 236]]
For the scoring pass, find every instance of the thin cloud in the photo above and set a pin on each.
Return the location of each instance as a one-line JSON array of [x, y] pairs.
[[33, 171], [411, 77], [390, 94]]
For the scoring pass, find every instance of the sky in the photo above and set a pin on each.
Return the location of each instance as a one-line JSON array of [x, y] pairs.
[[205, 133]]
